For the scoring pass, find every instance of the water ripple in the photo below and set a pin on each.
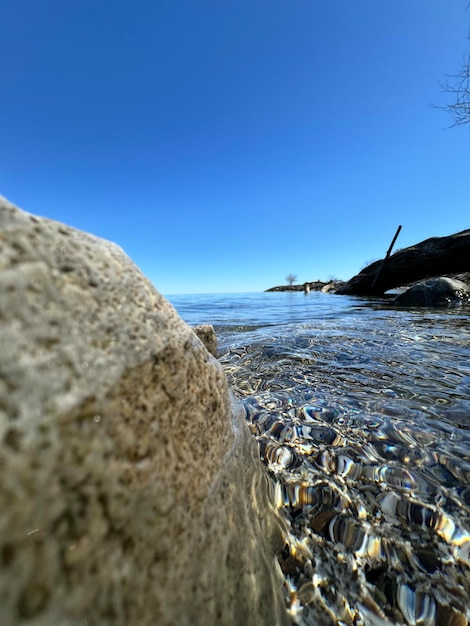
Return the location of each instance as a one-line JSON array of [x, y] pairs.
[[364, 429]]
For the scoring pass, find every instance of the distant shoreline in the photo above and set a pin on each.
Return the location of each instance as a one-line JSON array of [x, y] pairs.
[[317, 285]]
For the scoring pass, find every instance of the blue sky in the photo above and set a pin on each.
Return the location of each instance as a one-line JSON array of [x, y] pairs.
[[226, 143]]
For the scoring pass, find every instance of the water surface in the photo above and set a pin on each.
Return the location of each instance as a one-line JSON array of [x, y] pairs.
[[361, 412]]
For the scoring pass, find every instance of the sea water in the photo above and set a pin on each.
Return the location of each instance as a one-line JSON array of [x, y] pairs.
[[361, 411]]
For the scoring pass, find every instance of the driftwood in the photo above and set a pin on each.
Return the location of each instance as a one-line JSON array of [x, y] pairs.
[[437, 256], [389, 251]]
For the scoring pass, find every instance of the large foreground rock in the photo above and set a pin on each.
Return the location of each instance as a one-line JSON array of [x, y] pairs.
[[130, 490], [437, 256]]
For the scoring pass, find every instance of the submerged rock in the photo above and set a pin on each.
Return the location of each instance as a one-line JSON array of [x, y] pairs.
[[130, 490], [435, 292]]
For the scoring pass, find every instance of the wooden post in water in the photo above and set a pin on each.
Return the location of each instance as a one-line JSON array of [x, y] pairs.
[[389, 252]]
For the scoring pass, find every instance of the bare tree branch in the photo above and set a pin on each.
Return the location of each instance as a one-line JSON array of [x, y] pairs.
[[459, 88]]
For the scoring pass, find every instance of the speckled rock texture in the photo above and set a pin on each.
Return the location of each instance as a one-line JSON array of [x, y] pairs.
[[130, 490], [207, 335]]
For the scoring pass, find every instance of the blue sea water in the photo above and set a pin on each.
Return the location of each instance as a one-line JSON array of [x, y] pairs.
[[361, 411]]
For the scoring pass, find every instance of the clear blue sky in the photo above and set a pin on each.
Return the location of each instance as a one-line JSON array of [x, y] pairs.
[[226, 143]]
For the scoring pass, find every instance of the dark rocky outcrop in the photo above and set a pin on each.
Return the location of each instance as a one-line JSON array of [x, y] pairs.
[[437, 256], [435, 292], [316, 285]]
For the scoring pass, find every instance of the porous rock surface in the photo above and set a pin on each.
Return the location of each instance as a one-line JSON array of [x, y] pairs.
[[130, 490], [207, 335]]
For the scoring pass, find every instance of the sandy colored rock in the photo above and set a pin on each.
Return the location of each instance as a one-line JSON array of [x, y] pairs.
[[207, 335], [130, 490]]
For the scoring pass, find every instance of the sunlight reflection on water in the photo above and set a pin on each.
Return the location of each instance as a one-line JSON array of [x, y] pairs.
[[361, 413]]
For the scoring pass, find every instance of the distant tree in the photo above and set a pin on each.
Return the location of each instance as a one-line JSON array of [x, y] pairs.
[[291, 278], [458, 86]]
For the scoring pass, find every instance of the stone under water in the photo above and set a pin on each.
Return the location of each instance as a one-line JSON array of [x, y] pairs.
[[366, 439]]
